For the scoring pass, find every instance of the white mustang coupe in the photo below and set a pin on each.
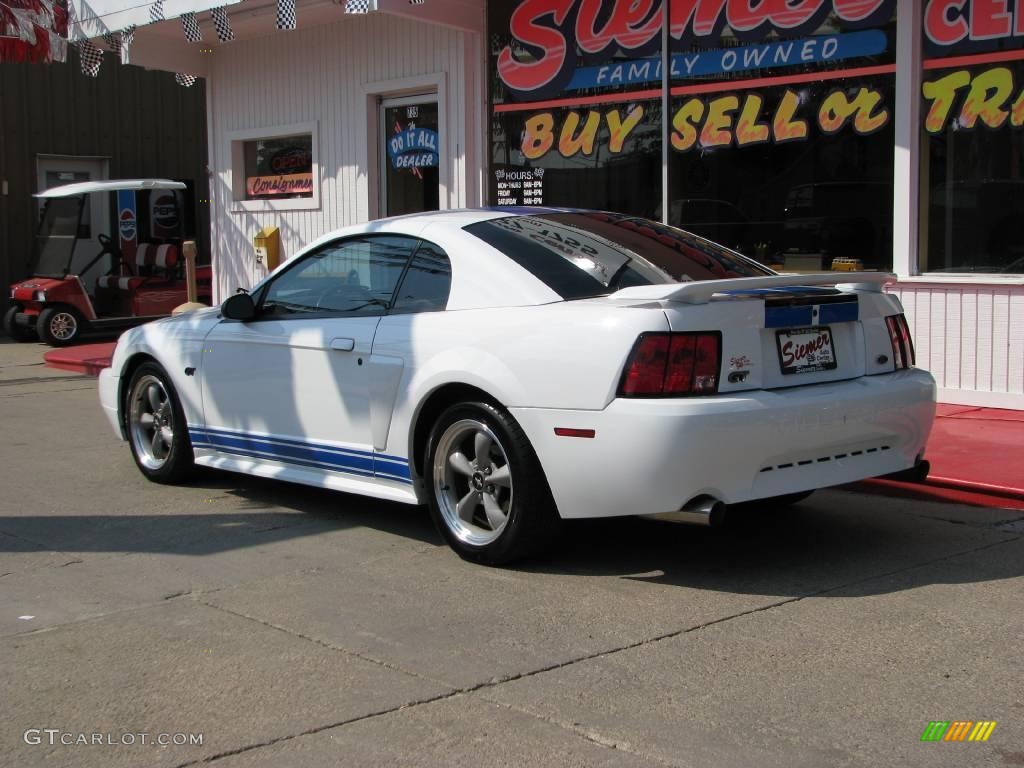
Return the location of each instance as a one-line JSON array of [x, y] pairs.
[[511, 368]]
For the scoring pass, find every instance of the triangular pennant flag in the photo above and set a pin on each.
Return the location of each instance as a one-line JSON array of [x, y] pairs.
[[90, 58], [286, 14], [190, 24], [222, 24]]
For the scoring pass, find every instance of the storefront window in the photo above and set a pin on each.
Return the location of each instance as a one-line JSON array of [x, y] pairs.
[[783, 128], [972, 145], [278, 168], [794, 176], [566, 129]]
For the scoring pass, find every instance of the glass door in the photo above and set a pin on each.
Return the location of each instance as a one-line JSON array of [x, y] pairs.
[[410, 160]]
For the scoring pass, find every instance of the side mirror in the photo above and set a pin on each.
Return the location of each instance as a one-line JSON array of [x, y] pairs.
[[239, 307]]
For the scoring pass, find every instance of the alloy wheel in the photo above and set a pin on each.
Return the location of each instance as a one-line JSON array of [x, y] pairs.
[[63, 326], [473, 482], [151, 421]]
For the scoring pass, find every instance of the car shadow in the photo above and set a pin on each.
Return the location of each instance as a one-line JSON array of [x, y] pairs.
[[795, 551], [791, 551]]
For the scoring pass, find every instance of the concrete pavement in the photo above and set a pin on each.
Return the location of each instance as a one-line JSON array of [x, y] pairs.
[[294, 627]]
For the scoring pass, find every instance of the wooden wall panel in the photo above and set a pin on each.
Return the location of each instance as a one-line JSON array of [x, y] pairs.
[[147, 125]]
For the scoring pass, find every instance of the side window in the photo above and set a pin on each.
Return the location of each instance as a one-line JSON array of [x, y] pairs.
[[426, 284], [350, 277]]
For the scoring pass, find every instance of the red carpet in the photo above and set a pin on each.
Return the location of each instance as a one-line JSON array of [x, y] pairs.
[[89, 359], [976, 454]]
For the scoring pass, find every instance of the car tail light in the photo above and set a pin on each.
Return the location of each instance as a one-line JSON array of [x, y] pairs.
[[673, 365], [902, 344]]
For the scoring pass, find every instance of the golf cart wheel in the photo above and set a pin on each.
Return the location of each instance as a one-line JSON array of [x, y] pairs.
[[15, 331], [487, 492], [157, 430], [61, 325]]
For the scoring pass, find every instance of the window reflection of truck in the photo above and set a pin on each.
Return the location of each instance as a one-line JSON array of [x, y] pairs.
[[839, 219]]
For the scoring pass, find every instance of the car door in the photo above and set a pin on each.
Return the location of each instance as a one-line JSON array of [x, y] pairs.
[[294, 384]]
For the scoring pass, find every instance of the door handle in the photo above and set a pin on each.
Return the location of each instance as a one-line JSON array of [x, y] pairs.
[[343, 344]]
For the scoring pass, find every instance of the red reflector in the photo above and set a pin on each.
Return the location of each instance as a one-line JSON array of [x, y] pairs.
[[566, 432]]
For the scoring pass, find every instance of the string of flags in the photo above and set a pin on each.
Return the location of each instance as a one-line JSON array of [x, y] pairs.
[[33, 30], [38, 31]]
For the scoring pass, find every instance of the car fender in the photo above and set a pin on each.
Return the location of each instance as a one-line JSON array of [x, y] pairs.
[[177, 345]]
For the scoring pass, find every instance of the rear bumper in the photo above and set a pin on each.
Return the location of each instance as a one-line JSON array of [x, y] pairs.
[[652, 456], [109, 387]]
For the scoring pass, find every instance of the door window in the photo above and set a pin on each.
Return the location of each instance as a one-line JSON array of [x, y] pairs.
[[352, 277], [411, 157], [427, 282]]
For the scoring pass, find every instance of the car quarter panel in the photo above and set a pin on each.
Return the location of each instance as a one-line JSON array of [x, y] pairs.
[[565, 355]]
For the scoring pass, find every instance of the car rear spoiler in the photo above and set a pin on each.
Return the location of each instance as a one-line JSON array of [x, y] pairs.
[[701, 291]]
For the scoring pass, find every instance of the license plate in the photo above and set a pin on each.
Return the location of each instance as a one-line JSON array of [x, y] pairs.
[[806, 350]]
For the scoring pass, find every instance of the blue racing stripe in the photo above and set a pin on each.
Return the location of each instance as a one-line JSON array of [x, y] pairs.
[[297, 462], [303, 453]]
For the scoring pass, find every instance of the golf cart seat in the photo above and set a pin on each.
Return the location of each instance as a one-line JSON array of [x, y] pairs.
[[152, 263]]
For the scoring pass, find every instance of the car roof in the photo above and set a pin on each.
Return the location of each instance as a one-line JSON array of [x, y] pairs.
[[87, 187], [461, 217]]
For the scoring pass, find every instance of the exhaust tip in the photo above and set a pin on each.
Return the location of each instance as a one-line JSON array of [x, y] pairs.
[[701, 510]]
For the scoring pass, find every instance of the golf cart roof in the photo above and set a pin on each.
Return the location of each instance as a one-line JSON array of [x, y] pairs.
[[87, 187]]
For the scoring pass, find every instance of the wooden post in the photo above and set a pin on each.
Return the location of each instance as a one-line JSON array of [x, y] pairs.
[[188, 249]]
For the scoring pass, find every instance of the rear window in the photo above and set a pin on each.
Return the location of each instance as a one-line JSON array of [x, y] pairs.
[[584, 254]]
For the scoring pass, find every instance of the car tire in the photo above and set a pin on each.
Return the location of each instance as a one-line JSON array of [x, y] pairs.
[[156, 426], [493, 510], [60, 326], [13, 330]]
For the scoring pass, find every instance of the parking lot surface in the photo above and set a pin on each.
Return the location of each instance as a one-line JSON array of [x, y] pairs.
[[288, 626]]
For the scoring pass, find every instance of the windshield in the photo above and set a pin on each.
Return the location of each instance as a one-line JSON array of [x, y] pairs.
[[55, 240], [584, 254]]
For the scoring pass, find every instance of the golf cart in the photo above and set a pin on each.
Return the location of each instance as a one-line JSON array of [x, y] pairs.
[[82, 282]]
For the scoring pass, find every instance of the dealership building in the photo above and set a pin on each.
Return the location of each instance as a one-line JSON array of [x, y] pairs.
[[819, 134]]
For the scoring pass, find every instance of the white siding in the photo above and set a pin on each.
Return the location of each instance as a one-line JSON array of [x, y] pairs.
[[319, 75], [971, 338]]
